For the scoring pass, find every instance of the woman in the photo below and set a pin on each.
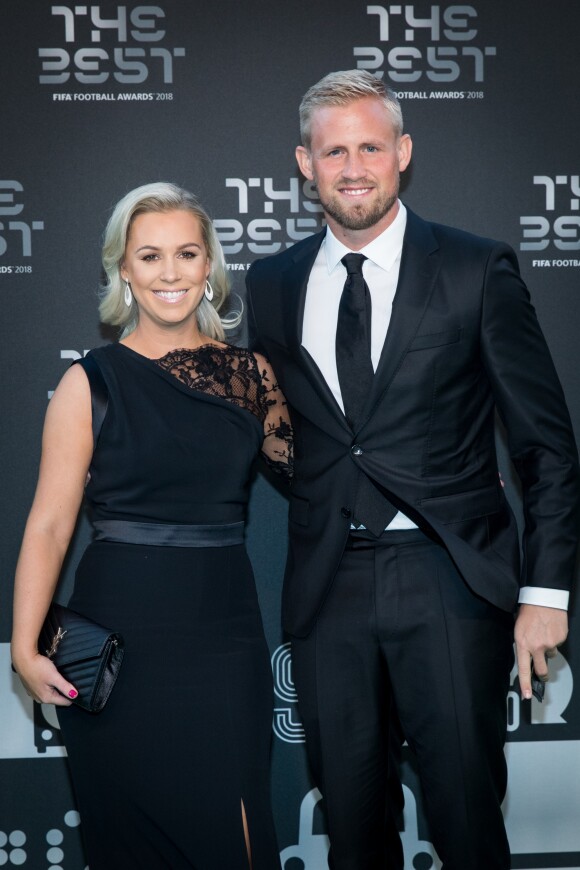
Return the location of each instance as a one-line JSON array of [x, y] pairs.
[[174, 772]]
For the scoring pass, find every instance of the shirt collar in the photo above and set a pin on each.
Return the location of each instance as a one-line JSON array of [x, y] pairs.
[[383, 251]]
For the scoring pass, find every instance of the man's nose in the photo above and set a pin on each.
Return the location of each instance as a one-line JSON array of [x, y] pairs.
[[354, 166]]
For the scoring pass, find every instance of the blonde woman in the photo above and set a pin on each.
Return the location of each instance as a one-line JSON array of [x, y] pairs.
[[174, 772]]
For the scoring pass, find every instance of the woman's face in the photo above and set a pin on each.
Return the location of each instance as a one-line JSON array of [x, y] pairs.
[[167, 265]]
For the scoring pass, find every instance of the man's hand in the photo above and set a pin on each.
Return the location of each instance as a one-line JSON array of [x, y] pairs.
[[538, 633]]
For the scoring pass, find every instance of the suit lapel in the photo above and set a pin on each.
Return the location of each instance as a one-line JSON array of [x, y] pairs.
[[420, 264], [294, 286]]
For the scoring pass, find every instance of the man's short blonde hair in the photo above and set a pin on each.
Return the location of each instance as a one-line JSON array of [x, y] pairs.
[[341, 88]]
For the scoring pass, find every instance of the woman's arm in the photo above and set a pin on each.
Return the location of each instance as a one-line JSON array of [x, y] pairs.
[[278, 445], [67, 447]]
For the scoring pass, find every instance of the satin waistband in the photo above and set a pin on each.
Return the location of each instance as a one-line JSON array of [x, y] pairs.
[[166, 535]]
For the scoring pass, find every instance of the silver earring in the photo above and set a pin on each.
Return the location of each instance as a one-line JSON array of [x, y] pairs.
[[208, 291], [128, 295]]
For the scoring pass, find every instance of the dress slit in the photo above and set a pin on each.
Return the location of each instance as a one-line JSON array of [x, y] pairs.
[[246, 834]]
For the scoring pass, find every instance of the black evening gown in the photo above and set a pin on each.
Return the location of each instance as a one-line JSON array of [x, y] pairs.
[[162, 772]]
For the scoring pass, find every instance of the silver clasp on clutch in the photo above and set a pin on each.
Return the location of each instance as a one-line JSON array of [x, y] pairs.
[[55, 642]]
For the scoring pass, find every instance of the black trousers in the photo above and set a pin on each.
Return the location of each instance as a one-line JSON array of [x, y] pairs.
[[401, 627]]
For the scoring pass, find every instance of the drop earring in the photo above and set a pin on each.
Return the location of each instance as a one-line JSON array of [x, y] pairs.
[[208, 291], [128, 295]]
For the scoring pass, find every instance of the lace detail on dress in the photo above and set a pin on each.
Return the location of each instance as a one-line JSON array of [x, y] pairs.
[[245, 379]]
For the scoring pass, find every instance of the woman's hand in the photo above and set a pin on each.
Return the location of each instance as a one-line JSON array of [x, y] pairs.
[[44, 683]]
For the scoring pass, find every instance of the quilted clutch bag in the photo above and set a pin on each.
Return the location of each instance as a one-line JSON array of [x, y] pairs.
[[84, 652]]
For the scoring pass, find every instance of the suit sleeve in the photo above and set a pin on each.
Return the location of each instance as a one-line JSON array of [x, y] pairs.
[[531, 403]]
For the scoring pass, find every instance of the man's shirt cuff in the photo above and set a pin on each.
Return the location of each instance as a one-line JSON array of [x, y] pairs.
[[545, 597]]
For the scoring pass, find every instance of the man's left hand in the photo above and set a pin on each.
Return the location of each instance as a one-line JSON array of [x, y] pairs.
[[538, 633]]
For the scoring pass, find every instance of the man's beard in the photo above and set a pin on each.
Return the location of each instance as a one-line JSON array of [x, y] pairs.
[[359, 217]]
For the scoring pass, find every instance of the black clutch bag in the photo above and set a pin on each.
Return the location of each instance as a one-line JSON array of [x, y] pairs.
[[85, 653]]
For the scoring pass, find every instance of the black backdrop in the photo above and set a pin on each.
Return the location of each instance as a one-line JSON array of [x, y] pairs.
[[97, 99]]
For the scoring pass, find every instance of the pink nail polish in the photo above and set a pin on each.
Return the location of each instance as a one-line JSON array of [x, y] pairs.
[[73, 693]]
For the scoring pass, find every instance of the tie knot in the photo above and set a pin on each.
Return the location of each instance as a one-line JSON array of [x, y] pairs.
[[353, 263]]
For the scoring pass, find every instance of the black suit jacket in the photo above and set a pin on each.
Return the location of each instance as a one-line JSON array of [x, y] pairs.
[[463, 340]]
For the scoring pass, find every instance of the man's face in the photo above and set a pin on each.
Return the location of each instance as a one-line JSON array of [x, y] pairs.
[[355, 159]]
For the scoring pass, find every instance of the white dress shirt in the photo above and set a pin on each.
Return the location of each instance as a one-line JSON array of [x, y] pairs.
[[381, 273]]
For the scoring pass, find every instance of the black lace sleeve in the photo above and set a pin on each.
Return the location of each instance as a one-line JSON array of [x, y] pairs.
[[246, 379], [277, 449]]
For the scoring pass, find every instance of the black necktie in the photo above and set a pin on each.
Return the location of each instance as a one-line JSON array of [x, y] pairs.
[[353, 340], [355, 376]]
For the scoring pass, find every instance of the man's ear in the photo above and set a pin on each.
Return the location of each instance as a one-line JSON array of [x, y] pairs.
[[405, 148], [304, 160]]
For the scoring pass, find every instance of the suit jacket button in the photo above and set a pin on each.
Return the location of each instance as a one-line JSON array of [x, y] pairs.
[[346, 513], [356, 450]]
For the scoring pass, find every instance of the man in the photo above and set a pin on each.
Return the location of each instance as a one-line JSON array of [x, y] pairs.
[[404, 567]]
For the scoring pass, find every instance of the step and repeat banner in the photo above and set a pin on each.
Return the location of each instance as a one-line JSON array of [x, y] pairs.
[[97, 99]]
